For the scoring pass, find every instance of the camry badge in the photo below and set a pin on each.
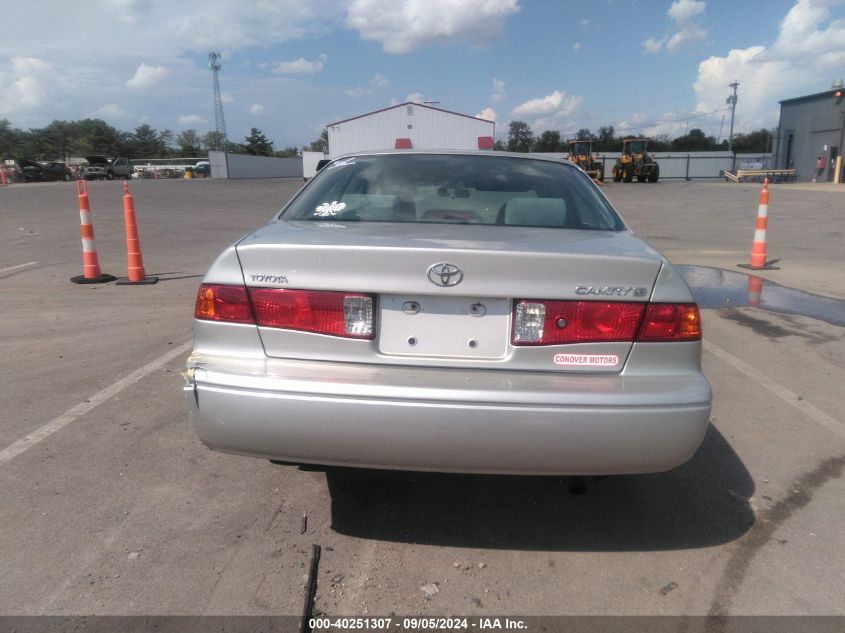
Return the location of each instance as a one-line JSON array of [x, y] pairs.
[[445, 274]]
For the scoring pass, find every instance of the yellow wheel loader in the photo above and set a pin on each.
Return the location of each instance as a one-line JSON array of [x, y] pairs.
[[581, 153], [635, 161]]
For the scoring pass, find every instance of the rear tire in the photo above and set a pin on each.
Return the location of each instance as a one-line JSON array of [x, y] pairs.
[[110, 176], [654, 175], [627, 174]]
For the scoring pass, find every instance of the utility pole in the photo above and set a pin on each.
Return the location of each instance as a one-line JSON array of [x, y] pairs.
[[731, 101], [219, 121]]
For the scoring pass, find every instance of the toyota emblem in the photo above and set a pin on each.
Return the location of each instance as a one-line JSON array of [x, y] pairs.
[[445, 275]]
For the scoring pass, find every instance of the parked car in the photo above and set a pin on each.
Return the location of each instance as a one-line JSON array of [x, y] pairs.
[[100, 167], [202, 169], [43, 171], [447, 311]]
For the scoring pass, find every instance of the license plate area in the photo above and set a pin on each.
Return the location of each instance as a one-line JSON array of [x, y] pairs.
[[454, 327]]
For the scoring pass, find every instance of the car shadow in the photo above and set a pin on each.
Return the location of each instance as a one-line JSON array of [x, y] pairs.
[[700, 504]]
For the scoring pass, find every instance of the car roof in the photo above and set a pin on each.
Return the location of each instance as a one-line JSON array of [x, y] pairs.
[[458, 152]]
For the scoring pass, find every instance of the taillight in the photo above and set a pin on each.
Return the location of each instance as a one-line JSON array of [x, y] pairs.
[[558, 322], [336, 313], [537, 322], [671, 322], [223, 303]]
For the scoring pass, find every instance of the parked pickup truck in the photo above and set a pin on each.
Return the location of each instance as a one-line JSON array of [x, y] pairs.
[[100, 167]]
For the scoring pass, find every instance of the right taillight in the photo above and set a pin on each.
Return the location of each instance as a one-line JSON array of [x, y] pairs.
[[670, 322], [544, 322]]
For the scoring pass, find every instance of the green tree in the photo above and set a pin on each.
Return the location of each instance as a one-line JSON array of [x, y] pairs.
[[321, 144], [694, 141], [257, 144], [520, 137], [288, 152], [607, 141], [213, 141], [548, 141], [584, 134], [10, 140], [189, 143], [145, 142], [753, 142], [500, 145]]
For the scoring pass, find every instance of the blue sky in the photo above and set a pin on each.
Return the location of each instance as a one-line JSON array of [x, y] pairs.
[[292, 66]]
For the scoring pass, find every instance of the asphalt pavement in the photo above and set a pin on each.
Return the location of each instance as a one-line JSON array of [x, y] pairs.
[[111, 506]]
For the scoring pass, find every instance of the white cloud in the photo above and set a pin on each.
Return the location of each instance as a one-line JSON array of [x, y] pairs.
[[111, 111], [585, 23], [687, 29], [576, 46], [807, 54], [300, 66], [25, 86], [147, 77], [402, 27], [415, 97], [188, 120], [379, 81], [551, 112], [488, 114], [498, 90], [684, 10], [256, 108]]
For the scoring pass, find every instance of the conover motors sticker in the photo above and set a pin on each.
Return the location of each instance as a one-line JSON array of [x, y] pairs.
[[586, 360]]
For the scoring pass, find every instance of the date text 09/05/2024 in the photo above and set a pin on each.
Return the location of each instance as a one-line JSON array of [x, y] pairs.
[[416, 623]]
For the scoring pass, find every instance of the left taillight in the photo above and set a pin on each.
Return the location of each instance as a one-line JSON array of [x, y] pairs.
[[346, 314], [223, 303]]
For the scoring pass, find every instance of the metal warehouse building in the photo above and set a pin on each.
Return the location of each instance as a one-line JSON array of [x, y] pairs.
[[810, 127], [410, 126]]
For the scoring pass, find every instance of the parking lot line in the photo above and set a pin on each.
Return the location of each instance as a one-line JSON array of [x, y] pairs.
[[5, 270], [808, 409], [56, 424]]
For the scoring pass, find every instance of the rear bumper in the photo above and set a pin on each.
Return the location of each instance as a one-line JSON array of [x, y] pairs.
[[448, 420]]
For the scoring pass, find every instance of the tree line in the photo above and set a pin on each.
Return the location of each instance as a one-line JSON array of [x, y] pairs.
[[522, 139], [62, 139]]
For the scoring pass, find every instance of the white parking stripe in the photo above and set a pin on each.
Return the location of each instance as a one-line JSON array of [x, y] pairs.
[[56, 424], [5, 270], [810, 410]]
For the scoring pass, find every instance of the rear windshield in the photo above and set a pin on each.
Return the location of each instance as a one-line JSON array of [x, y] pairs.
[[454, 189]]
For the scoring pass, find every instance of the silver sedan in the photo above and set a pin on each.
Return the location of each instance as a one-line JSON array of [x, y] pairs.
[[443, 311]]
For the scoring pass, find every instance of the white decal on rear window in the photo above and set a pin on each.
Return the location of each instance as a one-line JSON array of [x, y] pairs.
[[329, 208], [586, 360], [341, 163]]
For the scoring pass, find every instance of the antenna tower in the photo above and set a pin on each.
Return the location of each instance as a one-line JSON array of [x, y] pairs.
[[219, 120]]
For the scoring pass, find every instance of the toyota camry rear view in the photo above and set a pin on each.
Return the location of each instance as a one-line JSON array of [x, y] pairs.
[[455, 312]]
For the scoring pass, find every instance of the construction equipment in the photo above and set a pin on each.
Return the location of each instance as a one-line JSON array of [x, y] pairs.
[[635, 161], [581, 153]]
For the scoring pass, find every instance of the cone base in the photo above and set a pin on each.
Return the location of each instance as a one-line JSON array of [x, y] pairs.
[[767, 266], [102, 279], [125, 281]]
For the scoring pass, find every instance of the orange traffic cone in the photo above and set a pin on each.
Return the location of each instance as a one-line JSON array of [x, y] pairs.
[[135, 263], [757, 261], [90, 263]]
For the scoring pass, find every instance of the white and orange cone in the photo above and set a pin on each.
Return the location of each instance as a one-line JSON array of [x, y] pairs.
[[757, 260], [91, 273]]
